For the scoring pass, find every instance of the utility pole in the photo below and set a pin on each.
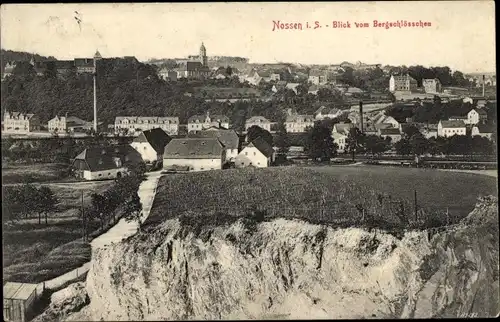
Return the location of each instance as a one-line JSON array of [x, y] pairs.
[[83, 221], [416, 206], [95, 97]]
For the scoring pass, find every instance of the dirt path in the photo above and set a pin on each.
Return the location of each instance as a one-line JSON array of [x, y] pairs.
[[490, 173], [121, 230]]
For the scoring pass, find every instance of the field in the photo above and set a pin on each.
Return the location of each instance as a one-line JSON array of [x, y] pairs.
[[18, 173], [338, 195], [36, 252]]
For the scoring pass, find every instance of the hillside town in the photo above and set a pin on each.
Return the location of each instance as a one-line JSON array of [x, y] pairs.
[[242, 161], [373, 111]]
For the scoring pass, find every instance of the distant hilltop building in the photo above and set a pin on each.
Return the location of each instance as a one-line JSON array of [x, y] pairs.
[[432, 85], [196, 67], [402, 83]]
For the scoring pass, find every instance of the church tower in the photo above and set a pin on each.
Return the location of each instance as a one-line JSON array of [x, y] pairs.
[[203, 55]]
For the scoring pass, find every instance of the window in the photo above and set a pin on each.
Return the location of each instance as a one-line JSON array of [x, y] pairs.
[[109, 173], [246, 153], [254, 153], [100, 174]]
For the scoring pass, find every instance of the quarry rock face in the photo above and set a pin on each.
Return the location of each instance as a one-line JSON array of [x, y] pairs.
[[64, 302], [290, 269]]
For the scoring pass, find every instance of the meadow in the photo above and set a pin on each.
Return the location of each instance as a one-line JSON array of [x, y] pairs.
[[343, 196], [39, 172], [34, 252]]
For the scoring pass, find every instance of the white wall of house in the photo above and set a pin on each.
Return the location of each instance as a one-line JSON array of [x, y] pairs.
[[147, 152], [263, 125], [105, 174], [194, 164], [251, 156], [447, 132], [231, 154], [297, 127], [472, 117], [194, 126], [340, 140]]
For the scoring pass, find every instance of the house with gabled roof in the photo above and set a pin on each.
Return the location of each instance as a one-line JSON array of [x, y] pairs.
[[151, 144], [482, 130], [259, 121], [318, 77], [451, 127], [136, 124], [194, 154], [228, 138], [258, 153], [325, 112], [19, 122], [343, 128], [393, 133], [296, 123], [203, 122], [108, 162]]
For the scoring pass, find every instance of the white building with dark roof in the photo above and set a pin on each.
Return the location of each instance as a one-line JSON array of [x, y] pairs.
[[451, 128], [151, 144], [16, 122], [203, 122], [402, 83], [259, 121], [257, 153], [136, 124], [194, 154]]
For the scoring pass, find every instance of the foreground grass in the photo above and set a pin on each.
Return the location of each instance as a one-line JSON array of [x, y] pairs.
[[35, 252], [341, 196]]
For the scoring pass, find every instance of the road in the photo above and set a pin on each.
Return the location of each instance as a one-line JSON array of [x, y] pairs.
[[123, 228], [117, 233]]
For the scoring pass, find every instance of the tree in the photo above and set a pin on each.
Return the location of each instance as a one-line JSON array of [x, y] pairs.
[[282, 140], [11, 206], [418, 144], [376, 145], [229, 70], [133, 210], [46, 202], [403, 147], [100, 208], [354, 142], [410, 130], [319, 143], [255, 131]]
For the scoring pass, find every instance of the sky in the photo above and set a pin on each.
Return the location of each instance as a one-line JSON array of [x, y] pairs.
[[461, 35]]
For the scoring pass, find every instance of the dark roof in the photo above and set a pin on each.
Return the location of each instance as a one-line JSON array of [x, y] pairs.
[[193, 148], [485, 128], [452, 124], [102, 158], [481, 111], [228, 138], [84, 62], [156, 137], [393, 131], [64, 64], [262, 146], [193, 65], [213, 118]]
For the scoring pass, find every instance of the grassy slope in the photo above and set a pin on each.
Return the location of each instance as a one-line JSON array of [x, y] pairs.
[[35, 252], [321, 194]]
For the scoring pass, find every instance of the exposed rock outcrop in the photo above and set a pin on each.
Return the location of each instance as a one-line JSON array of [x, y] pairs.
[[292, 269], [64, 302]]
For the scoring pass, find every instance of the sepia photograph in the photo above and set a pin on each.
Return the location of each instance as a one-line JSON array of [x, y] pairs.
[[249, 161]]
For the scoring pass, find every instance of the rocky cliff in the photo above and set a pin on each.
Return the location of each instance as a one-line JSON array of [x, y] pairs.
[[296, 270]]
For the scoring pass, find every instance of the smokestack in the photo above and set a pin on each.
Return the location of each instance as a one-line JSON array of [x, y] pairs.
[[483, 84], [361, 115]]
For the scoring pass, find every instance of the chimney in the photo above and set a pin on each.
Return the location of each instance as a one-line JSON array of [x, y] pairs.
[[483, 84], [361, 115]]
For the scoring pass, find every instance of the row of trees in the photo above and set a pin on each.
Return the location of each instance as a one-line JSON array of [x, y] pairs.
[[122, 196], [25, 201]]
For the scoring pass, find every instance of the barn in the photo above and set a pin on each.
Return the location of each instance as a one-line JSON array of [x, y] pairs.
[[18, 300]]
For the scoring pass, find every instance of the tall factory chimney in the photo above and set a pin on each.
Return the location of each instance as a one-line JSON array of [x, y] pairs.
[[361, 115], [484, 78]]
